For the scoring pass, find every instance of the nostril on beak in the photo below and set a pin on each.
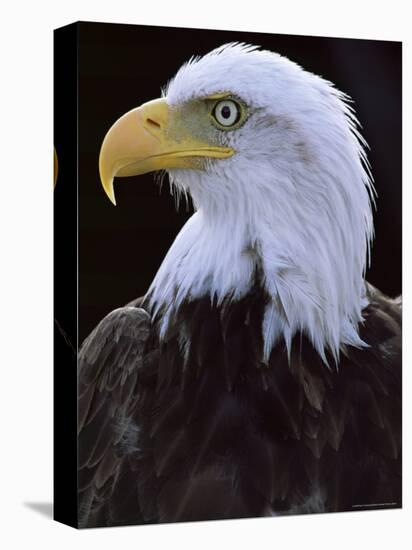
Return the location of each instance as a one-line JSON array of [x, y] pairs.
[[153, 124]]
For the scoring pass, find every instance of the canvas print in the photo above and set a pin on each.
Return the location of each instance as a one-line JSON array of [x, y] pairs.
[[238, 347]]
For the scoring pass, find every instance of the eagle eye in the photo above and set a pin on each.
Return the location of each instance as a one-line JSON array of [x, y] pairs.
[[227, 113]]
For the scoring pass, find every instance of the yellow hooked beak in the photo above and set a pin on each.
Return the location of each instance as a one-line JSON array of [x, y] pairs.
[[145, 139]]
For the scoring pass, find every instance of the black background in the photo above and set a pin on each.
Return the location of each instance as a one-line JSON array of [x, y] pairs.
[[122, 66]]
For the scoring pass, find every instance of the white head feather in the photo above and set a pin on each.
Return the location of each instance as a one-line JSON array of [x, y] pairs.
[[296, 197]]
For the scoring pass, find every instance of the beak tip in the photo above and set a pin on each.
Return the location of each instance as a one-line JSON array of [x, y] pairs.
[[110, 194], [107, 184]]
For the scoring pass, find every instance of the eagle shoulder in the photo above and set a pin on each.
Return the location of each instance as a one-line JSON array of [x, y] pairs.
[[108, 373]]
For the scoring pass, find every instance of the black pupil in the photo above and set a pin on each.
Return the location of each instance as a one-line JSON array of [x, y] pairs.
[[226, 112]]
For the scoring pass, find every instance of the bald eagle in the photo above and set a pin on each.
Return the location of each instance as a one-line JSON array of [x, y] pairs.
[[261, 374]]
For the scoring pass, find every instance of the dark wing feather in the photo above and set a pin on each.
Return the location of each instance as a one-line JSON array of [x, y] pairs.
[[221, 435], [109, 362], [352, 418]]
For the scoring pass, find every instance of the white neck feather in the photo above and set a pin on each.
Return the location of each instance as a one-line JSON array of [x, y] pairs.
[[312, 262]]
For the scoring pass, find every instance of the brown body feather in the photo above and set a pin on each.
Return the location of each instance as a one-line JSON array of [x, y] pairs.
[[199, 428]]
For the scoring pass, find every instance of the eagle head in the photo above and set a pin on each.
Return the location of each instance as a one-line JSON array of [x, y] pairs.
[[273, 160]]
